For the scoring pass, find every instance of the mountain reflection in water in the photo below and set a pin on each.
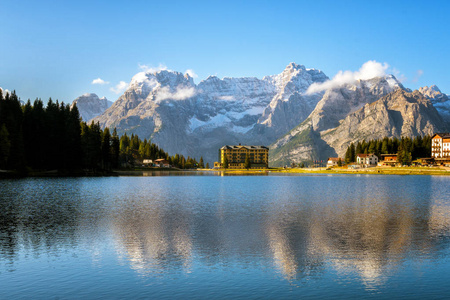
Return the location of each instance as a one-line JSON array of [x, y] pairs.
[[300, 226]]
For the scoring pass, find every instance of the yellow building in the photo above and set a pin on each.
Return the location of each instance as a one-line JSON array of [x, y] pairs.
[[258, 157]]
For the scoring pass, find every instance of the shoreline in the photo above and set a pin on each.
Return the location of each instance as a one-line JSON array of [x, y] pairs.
[[439, 171], [342, 170]]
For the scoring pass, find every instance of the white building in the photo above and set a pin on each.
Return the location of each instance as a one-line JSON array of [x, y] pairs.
[[367, 159], [440, 146], [333, 161]]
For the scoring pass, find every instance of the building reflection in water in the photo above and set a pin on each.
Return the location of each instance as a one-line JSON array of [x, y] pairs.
[[366, 229], [369, 234]]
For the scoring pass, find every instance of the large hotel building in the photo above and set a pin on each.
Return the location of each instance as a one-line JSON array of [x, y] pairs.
[[440, 147], [258, 157]]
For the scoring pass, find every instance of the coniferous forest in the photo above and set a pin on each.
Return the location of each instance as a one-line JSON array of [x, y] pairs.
[[407, 149], [42, 137]]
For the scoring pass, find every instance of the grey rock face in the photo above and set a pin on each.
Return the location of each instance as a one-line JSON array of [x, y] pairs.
[[399, 113], [440, 101], [196, 120], [91, 106]]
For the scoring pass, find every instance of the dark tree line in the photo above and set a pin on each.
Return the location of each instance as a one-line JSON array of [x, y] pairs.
[[133, 149], [53, 137], [407, 149]]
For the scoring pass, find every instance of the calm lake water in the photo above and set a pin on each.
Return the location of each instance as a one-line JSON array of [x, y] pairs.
[[225, 237]]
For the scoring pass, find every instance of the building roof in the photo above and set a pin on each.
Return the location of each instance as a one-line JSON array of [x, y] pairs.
[[393, 154], [444, 135], [244, 146], [333, 158], [362, 155], [161, 160]]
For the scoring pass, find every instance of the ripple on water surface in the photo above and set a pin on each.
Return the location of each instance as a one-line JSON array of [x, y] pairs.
[[225, 237]]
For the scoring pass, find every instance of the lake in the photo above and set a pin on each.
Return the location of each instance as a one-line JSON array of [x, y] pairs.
[[225, 237]]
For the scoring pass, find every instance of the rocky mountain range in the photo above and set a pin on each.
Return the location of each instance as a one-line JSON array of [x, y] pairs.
[[278, 110], [90, 106]]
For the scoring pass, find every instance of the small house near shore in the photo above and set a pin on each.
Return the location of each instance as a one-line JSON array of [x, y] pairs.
[[162, 163], [388, 160], [147, 162], [366, 159], [333, 161]]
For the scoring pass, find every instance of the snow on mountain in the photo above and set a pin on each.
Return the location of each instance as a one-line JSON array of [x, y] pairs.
[[440, 100], [169, 108], [90, 106], [196, 120]]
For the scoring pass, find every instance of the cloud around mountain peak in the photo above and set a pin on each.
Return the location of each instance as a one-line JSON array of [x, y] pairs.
[[368, 70]]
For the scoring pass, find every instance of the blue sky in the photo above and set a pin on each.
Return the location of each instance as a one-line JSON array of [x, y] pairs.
[[57, 48]]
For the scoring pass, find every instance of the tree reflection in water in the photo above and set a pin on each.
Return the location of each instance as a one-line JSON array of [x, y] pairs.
[[300, 226]]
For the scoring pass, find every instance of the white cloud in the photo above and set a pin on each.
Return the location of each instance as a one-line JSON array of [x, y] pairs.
[[149, 69], [181, 93], [191, 73], [419, 73], [368, 70], [119, 88], [99, 81]]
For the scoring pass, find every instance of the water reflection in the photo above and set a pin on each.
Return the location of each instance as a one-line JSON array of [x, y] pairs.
[[36, 217], [299, 226], [154, 238]]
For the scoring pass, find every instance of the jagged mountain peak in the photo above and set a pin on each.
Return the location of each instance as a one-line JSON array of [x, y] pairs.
[[434, 94], [90, 105], [295, 78], [294, 66], [87, 97], [440, 100], [433, 88], [196, 120], [151, 79]]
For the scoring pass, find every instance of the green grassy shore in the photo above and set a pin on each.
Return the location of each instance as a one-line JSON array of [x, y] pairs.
[[345, 170], [335, 170]]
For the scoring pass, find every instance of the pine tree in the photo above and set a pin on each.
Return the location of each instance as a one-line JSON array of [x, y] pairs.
[[207, 165], [115, 149], [385, 146], [347, 155], [372, 148], [73, 151], [359, 149], [106, 149], [247, 164], [225, 162], [201, 163], [5, 146]]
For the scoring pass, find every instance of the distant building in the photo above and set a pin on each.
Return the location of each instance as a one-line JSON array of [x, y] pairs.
[[367, 159], [258, 157], [333, 161], [162, 163], [147, 162], [388, 160], [440, 147]]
